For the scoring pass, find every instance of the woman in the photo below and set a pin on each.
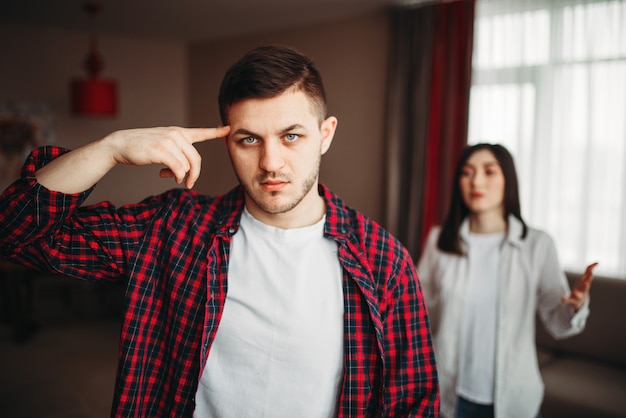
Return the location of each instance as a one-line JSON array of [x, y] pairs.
[[485, 275]]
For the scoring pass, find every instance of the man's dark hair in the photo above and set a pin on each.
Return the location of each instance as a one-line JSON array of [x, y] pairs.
[[267, 72], [449, 240]]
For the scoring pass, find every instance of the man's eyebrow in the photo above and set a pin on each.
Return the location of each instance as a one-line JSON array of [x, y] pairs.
[[291, 128], [243, 131]]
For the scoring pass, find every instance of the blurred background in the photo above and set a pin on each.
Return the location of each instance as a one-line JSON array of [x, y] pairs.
[[411, 83]]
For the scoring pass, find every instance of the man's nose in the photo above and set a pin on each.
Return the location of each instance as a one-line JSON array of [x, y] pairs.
[[272, 159]]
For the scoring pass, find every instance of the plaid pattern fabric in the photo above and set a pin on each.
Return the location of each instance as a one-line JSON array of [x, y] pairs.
[[171, 251]]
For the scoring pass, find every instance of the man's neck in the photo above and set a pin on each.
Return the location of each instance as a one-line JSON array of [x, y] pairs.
[[303, 215]]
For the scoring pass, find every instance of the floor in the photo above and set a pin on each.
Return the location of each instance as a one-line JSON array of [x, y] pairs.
[[65, 371], [66, 368]]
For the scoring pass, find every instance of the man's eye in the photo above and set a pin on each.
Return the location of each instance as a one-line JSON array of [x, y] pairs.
[[291, 137], [248, 140]]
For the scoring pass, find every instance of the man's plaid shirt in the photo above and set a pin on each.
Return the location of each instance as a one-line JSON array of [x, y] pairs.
[[171, 251]]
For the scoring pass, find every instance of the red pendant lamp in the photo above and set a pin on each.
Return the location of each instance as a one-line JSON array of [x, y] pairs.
[[93, 96]]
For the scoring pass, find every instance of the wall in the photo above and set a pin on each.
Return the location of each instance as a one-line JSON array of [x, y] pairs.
[[152, 77], [351, 54]]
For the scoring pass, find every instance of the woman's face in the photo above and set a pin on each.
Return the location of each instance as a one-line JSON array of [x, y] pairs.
[[482, 184]]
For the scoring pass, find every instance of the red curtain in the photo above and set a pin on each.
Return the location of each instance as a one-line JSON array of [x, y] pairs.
[[427, 113], [449, 107]]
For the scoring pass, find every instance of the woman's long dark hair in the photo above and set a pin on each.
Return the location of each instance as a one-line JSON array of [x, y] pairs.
[[449, 240]]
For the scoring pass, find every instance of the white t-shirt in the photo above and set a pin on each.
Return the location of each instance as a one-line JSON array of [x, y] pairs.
[[278, 351], [478, 333]]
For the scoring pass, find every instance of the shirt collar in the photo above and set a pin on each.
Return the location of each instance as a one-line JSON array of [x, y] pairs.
[[337, 213], [230, 209]]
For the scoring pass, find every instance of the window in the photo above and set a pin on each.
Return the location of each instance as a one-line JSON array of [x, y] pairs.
[[549, 83]]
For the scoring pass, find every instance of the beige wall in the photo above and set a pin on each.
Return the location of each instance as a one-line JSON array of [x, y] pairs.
[[37, 65], [352, 57], [163, 83]]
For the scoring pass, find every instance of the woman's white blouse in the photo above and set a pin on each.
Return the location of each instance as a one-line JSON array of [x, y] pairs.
[[531, 282]]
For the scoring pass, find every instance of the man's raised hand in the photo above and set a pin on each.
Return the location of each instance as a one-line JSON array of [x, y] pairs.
[[172, 147], [169, 146]]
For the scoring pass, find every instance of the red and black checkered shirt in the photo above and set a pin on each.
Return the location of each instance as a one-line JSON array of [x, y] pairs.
[[171, 251]]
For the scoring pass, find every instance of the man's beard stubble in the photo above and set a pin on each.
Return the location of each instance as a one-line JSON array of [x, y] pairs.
[[267, 207]]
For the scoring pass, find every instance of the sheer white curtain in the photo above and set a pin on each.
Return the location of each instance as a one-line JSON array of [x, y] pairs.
[[549, 83]]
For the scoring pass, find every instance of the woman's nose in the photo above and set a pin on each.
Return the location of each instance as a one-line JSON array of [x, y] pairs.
[[476, 178]]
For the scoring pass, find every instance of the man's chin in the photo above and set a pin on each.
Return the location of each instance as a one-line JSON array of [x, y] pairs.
[[276, 208], [272, 203]]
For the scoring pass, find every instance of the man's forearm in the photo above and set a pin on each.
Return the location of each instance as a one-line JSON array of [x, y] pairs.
[[77, 170], [171, 147]]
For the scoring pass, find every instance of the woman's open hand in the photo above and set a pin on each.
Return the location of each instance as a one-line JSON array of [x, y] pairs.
[[580, 292]]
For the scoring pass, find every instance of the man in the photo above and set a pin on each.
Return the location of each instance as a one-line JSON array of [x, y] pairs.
[[274, 300]]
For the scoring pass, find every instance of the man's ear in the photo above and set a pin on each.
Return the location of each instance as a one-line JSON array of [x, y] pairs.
[[328, 132]]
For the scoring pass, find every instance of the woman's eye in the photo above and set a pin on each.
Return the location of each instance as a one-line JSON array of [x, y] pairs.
[[291, 137]]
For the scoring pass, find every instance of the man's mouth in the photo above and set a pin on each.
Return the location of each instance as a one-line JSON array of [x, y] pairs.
[[273, 185]]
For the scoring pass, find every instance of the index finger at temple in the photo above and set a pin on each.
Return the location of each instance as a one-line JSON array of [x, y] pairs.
[[206, 134]]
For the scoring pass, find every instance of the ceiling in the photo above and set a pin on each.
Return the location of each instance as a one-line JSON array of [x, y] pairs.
[[184, 20]]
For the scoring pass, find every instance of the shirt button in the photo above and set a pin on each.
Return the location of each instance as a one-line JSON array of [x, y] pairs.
[[231, 230]]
